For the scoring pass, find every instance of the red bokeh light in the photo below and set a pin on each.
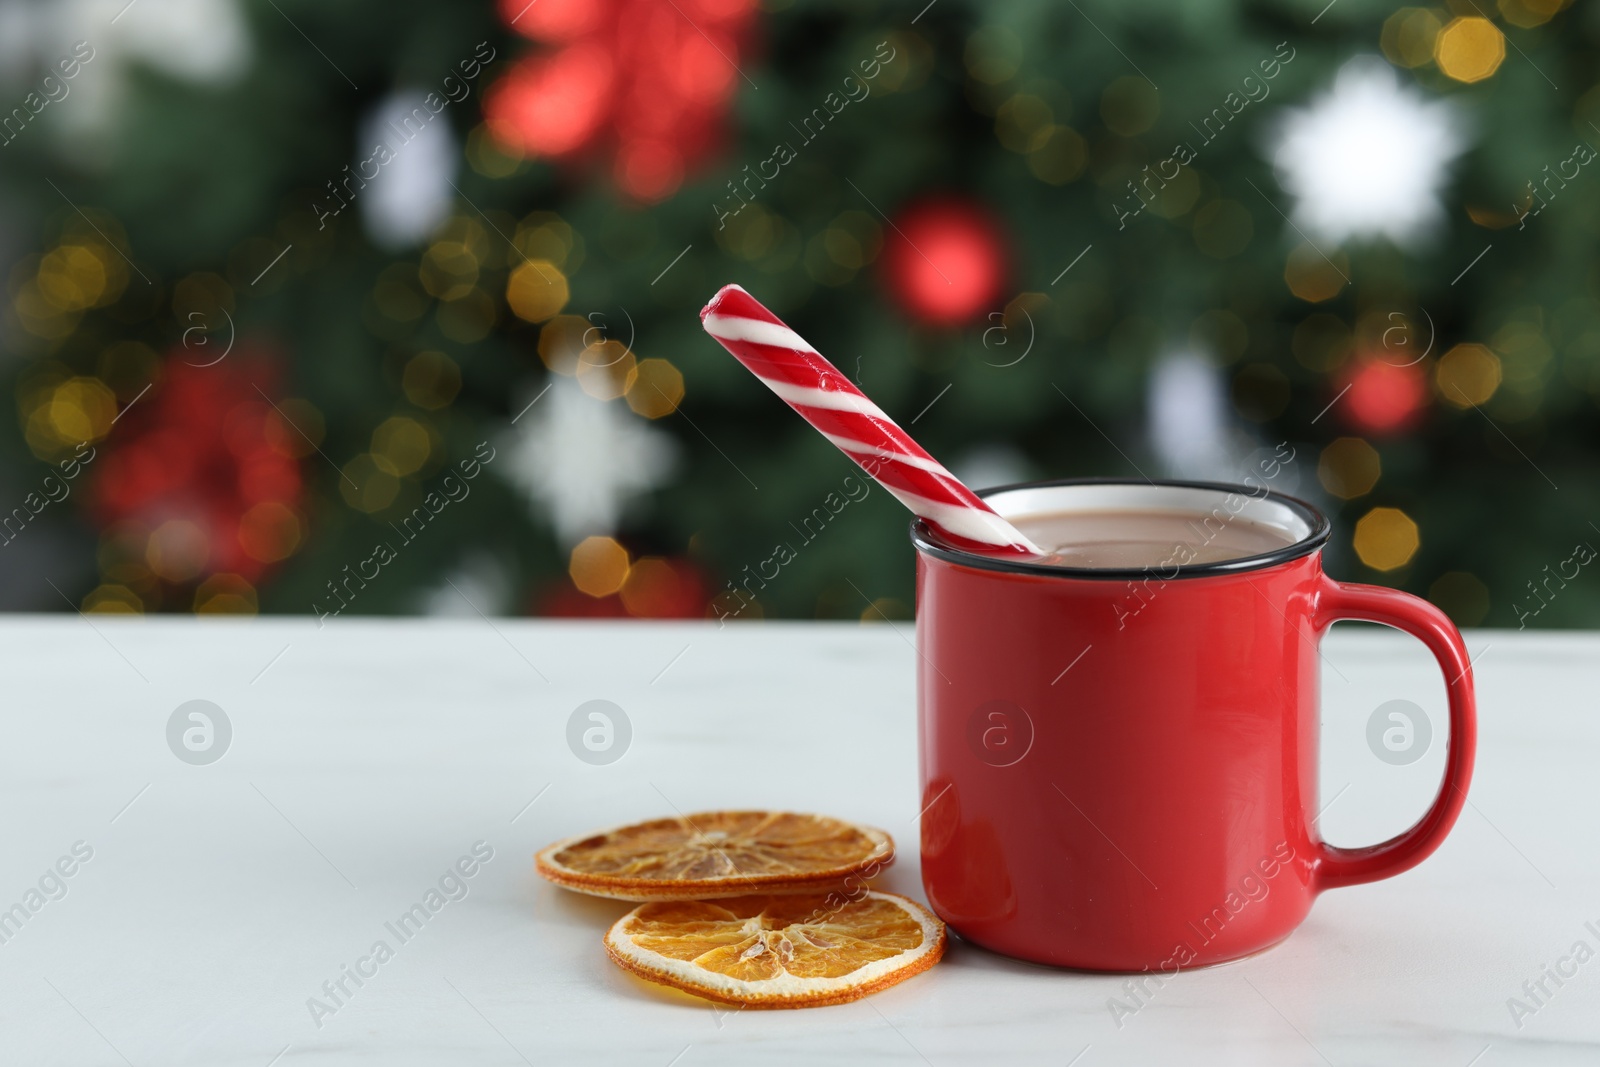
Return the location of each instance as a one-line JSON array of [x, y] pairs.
[[945, 261], [1384, 398], [647, 81], [202, 449]]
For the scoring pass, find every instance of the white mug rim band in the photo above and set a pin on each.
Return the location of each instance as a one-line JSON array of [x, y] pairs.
[[1315, 533]]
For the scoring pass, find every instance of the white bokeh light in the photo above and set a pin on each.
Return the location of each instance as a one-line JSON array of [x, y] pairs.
[[582, 461], [1369, 157], [412, 194]]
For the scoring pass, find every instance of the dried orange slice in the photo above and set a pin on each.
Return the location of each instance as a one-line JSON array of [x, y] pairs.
[[779, 951], [717, 854]]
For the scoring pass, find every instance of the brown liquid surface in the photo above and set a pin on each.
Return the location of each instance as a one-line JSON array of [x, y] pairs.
[[1137, 539]]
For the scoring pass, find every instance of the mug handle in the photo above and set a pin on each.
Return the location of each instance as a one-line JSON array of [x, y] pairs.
[[1334, 866]]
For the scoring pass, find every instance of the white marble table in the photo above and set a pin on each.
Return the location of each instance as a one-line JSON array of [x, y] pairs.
[[367, 757]]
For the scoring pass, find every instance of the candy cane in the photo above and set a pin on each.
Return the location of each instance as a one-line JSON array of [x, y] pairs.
[[828, 400]]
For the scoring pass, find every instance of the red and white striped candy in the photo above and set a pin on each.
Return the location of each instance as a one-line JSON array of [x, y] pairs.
[[843, 414]]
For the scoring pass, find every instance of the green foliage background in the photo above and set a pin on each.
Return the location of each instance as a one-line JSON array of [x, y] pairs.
[[205, 180]]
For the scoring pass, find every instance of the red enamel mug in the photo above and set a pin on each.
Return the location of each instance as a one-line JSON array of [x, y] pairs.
[[1119, 767]]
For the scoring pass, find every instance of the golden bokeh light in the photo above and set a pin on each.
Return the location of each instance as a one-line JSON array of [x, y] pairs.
[[657, 389], [536, 290], [1023, 123], [269, 531], [199, 299], [369, 483], [404, 442], [1129, 106], [1386, 539], [1469, 49], [562, 341], [113, 599], [39, 316], [1312, 276], [1408, 37], [294, 427], [993, 54], [225, 594], [1461, 596], [76, 277], [1529, 13], [1060, 157], [547, 236], [606, 370], [77, 410], [598, 566], [1468, 375], [489, 157], [467, 319], [652, 589], [431, 380], [750, 233], [854, 239], [1349, 467], [844, 248], [1176, 195], [449, 268]]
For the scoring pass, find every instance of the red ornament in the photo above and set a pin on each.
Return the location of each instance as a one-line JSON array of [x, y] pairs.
[[945, 261], [646, 81], [1384, 398], [203, 469]]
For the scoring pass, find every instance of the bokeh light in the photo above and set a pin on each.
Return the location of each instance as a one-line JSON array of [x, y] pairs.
[[993, 54], [178, 550], [1408, 36], [113, 599], [662, 589], [1529, 13], [1349, 467], [294, 427], [403, 442], [1061, 157], [1023, 123], [1314, 277], [1383, 397], [1386, 539], [606, 370], [369, 483], [1470, 49], [598, 566], [225, 594], [1467, 375], [1462, 596], [657, 389], [270, 531], [1129, 106], [552, 105], [946, 263], [431, 380], [536, 290]]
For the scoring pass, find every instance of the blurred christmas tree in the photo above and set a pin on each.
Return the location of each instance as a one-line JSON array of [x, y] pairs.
[[385, 308]]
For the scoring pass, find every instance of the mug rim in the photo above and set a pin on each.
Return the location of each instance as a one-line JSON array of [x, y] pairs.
[[922, 536]]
